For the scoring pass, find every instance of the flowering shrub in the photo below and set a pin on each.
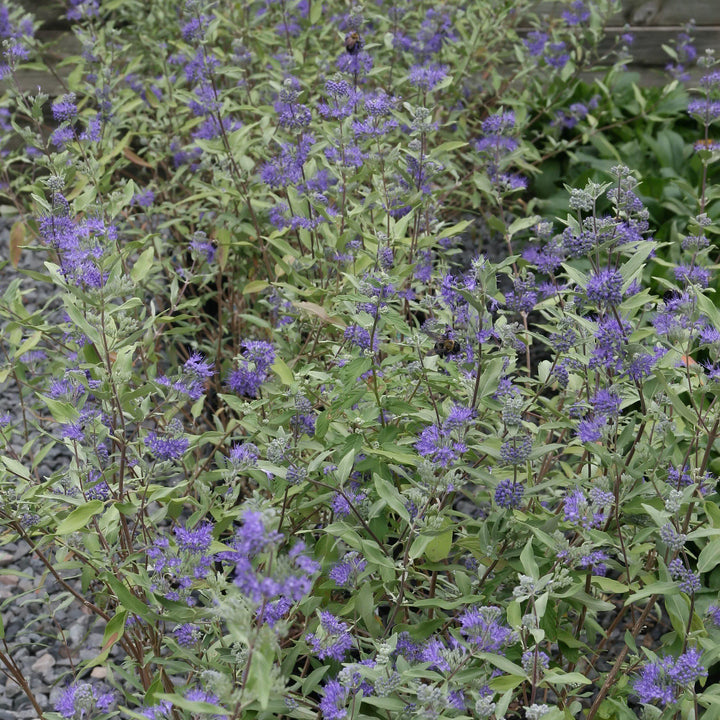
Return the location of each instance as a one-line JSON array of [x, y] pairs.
[[299, 452]]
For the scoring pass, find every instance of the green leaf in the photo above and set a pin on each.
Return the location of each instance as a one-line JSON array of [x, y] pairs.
[[260, 678], [439, 546], [503, 663], [345, 467], [527, 561], [142, 265], [656, 588], [28, 344], [283, 372], [709, 556], [488, 380], [522, 224], [450, 145], [198, 706], [114, 630], [15, 468], [609, 585], [255, 286], [365, 605], [571, 678], [313, 679], [62, 412], [133, 603], [391, 496], [506, 682], [79, 517]]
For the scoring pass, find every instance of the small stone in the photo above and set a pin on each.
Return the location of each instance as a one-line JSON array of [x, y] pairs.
[[76, 632], [5, 558], [43, 664], [12, 689], [22, 549], [99, 673], [9, 580], [26, 584]]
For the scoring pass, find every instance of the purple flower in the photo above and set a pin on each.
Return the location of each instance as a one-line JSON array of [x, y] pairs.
[[80, 699], [160, 711], [578, 511], [534, 660], [342, 504], [333, 640], [458, 418], [595, 562], [692, 275], [83, 9], [144, 199], [535, 42], [642, 364], [292, 115], [556, 55], [194, 541], [360, 337], [679, 477], [243, 455], [253, 370], [192, 378], [523, 297], [437, 445], [671, 537], [73, 431], [343, 99], [274, 585], [516, 449], [605, 287], [663, 681], [483, 629], [378, 107], [577, 13], [577, 244], [197, 365], [714, 615], [346, 572], [434, 652], [610, 343], [435, 30], [332, 705], [186, 635], [606, 402], [509, 494], [687, 580], [409, 649], [427, 76], [590, 428], [166, 448], [65, 109], [287, 167], [63, 135]]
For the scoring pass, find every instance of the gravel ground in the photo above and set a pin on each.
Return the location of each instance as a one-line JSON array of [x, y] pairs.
[[31, 601]]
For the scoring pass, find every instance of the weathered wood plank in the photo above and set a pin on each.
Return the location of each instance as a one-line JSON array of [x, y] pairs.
[[647, 48], [635, 12], [656, 12], [653, 22], [673, 12]]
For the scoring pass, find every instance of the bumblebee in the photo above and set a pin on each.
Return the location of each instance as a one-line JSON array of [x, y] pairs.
[[445, 345], [353, 43]]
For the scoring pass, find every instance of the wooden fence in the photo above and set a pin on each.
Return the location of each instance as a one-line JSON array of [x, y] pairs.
[[654, 23]]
